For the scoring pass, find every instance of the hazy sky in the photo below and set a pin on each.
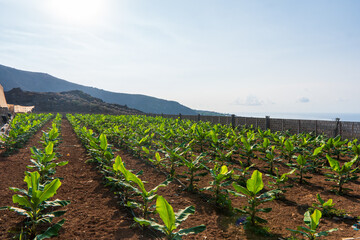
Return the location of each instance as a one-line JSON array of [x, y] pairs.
[[227, 56]]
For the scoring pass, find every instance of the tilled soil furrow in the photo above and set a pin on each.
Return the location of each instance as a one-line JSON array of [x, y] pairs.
[[93, 212]]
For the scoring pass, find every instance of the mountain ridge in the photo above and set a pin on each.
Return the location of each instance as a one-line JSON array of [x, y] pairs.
[[43, 82], [74, 101]]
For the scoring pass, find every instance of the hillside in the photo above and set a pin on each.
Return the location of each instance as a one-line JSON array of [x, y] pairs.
[[41, 82], [71, 102]]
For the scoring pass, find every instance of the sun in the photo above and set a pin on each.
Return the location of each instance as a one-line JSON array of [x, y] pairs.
[[77, 12]]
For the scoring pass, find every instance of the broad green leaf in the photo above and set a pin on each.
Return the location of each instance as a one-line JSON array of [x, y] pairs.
[[49, 190], [103, 142], [19, 211], [116, 165], [307, 219], [320, 199], [138, 181], [183, 214], [315, 219], [157, 157], [325, 233], [329, 203], [63, 163], [166, 213], [192, 230], [333, 163], [255, 183], [32, 180], [51, 231], [241, 189], [317, 151], [153, 224], [49, 148], [301, 160], [223, 170], [23, 201]]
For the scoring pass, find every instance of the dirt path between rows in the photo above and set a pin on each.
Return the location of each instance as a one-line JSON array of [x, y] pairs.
[[93, 212]]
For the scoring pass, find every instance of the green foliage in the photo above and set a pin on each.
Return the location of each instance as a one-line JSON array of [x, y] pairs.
[[221, 176], [288, 150], [44, 162], [171, 220], [50, 136], [194, 165], [301, 165], [327, 208], [36, 206], [248, 147], [135, 184], [175, 156], [22, 127], [280, 182], [270, 158], [341, 174], [253, 187], [312, 222]]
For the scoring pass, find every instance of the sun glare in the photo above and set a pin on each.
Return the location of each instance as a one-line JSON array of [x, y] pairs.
[[78, 12]]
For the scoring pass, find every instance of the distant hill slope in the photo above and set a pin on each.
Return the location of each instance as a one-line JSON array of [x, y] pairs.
[[41, 82], [71, 102]]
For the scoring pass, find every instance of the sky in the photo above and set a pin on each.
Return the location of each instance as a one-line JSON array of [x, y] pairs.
[[231, 56]]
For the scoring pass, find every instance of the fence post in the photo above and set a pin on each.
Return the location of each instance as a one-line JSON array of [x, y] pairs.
[[233, 121], [282, 125], [316, 127], [267, 122], [336, 130], [180, 116], [199, 117], [299, 126]]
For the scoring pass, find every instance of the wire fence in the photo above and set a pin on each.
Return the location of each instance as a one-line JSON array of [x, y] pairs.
[[349, 130]]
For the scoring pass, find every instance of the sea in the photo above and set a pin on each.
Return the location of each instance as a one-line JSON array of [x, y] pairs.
[[348, 117]]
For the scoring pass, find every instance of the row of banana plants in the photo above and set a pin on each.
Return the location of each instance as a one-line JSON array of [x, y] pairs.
[[302, 153], [22, 127], [132, 190], [34, 202]]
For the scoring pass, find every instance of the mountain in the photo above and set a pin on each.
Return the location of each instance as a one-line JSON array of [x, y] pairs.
[[41, 82], [73, 101]]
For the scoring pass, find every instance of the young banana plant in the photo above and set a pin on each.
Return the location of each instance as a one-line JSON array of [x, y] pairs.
[[253, 187], [194, 165], [171, 220], [249, 147], [36, 206], [51, 136], [312, 222], [137, 186], [301, 165], [221, 176], [270, 158], [279, 182], [327, 208], [341, 174], [44, 162]]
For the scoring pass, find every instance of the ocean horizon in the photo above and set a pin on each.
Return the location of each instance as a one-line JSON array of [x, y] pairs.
[[347, 117]]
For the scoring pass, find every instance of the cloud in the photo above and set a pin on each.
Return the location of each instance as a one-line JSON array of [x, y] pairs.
[[304, 100], [250, 100]]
